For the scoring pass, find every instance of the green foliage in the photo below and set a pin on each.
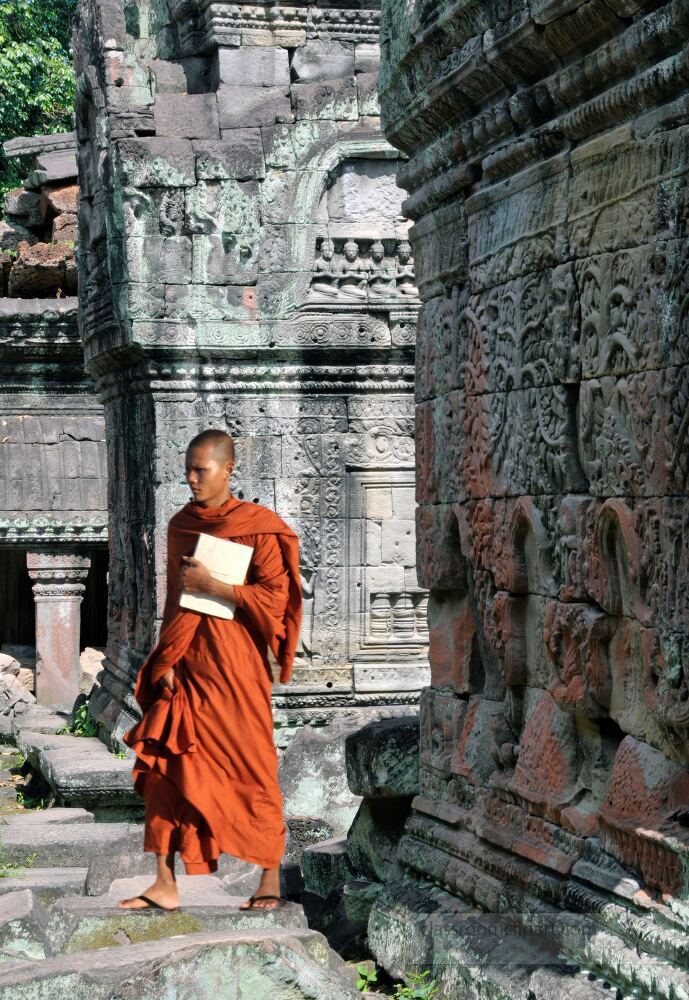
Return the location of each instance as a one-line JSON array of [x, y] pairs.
[[8, 868], [27, 802], [418, 987], [81, 724], [36, 74], [366, 977]]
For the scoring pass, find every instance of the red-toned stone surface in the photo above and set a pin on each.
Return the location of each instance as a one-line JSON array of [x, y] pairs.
[[549, 191], [42, 270]]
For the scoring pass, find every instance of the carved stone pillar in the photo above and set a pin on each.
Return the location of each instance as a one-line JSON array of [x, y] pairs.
[[58, 576]]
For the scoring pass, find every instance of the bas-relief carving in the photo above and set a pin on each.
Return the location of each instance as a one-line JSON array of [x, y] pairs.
[[551, 463]]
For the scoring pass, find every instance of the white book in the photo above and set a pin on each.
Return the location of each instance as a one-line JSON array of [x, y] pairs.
[[227, 561]]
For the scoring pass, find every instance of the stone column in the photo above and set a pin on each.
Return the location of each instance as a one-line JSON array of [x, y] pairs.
[[58, 576]]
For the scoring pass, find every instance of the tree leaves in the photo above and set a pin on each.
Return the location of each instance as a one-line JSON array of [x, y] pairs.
[[36, 74]]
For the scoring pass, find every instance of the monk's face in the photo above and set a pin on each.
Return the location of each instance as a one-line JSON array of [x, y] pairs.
[[208, 475]]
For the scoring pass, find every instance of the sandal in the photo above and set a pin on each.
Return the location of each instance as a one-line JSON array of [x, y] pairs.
[[152, 905], [254, 899]]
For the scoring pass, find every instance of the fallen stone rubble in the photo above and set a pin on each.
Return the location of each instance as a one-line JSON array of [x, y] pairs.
[[61, 929]]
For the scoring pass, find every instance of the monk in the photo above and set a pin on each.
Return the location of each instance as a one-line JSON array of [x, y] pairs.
[[206, 764]]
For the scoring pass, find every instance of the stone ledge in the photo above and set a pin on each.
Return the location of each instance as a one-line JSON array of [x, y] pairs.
[[220, 963], [80, 770], [83, 923]]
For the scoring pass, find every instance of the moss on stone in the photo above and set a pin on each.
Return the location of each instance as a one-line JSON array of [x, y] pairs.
[[133, 928]]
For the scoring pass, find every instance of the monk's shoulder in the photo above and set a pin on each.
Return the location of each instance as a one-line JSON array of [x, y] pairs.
[[177, 518], [264, 520]]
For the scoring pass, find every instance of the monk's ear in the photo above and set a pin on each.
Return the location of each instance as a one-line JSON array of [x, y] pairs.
[[230, 469]]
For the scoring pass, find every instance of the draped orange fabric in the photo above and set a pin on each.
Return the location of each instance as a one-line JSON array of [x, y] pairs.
[[206, 760]]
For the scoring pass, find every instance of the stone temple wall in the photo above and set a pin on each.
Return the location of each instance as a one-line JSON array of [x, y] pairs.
[[53, 517], [243, 264], [548, 147]]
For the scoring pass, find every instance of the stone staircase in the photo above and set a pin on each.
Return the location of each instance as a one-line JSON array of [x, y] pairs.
[[65, 868], [56, 938]]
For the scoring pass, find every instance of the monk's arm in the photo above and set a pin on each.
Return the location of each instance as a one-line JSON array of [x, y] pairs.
[[268, 579], [177, 628]]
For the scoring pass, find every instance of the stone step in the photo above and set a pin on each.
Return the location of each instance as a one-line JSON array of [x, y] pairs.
[[61, 845], [23, 924], [56, 814], [262, 963], [48, 884], [80, 770], [39, 719], [31, 743], [84, 923], [89, 776]]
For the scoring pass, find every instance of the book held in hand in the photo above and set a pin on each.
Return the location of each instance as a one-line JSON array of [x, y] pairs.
[[227, 561]]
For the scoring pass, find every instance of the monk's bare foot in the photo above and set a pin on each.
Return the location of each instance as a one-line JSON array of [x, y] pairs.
[[268, 886], [165, 894]]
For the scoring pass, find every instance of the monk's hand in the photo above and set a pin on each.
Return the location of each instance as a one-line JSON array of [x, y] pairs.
[[194, 577], [168, 680]]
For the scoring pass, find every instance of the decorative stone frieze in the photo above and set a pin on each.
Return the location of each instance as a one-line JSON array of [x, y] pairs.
[[547, 183]]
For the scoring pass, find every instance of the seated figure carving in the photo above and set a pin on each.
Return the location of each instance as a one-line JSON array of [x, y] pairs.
[[404, 274], [380, 282], [324, 282], [353, 273]]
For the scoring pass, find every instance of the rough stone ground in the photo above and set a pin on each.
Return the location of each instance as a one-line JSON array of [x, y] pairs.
[[62, 872]]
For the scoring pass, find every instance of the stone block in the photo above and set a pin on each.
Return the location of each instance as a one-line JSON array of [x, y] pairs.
[[403, 502], [375, 832], [63, 845], [192, 116], [154, 162], [310, 775], [51, 168], [367, 57], [225, 259], [385, 579], [382, 758], [367, 94], [24, 206], [252, 107], [399, 542], [23, 924], [335, 100], [46, 884], [379, 502], [239, 157], [643, 816], [168, 77], [252, 66], [12, 234], [326, 865], [62, 199], [323, 59], [65, 229], [159, 259], [453, 651]]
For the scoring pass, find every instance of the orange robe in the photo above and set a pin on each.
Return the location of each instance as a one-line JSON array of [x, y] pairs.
[[206, 760]]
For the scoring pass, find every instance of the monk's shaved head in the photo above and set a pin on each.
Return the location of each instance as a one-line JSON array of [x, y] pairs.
[[222, 444]]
